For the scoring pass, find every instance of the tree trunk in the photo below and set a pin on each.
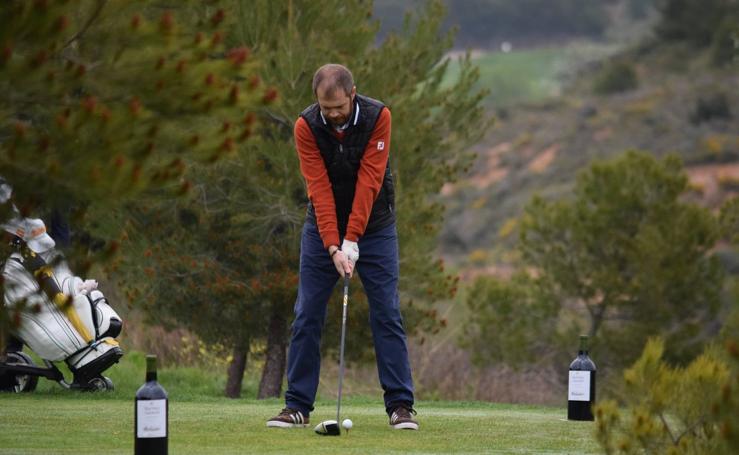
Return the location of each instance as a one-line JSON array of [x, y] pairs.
[[276, 358], [236, 370]]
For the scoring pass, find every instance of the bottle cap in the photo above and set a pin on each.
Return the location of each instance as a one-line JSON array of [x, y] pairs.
[[151, 362]]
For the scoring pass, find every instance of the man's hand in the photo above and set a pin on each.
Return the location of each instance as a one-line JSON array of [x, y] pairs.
[[351, 250], [341, 262]]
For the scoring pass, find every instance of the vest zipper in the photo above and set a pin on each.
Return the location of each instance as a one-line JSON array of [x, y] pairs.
[[341, 148]]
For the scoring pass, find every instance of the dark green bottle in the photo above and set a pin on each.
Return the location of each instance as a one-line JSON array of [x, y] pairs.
[[151, 414], [581, 386]]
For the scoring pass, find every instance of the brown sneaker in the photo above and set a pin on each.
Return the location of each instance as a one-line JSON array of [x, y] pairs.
[[402, 419], [288, 418]]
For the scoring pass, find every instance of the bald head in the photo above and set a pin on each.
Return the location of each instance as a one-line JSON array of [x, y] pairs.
[[331, 77]]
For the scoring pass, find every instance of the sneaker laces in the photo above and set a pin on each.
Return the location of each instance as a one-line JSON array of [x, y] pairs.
[[288, 411], [404, 412]]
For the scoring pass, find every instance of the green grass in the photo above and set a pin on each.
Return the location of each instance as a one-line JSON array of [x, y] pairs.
[[52, 420], [186, 383], [529, 75], [516, 77], [86, 424]]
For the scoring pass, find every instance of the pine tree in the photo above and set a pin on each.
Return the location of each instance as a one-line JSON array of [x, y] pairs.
[[260, 196], [104, 102], [674, 410], [667, 409], [631, 255], [524, 306], [621, 260], [693, 21]]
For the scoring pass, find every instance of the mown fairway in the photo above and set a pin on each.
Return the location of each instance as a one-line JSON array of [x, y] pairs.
[[86, 424], [528, 75]]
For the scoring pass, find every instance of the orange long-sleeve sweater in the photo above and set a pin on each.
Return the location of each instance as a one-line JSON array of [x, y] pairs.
[[369, 179]]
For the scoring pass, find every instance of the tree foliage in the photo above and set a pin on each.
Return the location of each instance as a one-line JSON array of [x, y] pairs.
[[254, 201], [623, 259], [680, 410], [694, 21], [675, 410], [106, 101], [725, 42], [103, 99], [631, 253], [433, 127], [730, 219], [524, 306], [616, 77]]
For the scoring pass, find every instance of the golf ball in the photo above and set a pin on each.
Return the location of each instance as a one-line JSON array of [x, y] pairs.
[[347, 423]]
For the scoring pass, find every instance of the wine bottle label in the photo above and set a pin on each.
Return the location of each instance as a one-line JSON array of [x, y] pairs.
[[151, 418], [579, 387]]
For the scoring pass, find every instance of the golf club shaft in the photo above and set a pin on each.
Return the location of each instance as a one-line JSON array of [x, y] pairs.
[[341, 347]]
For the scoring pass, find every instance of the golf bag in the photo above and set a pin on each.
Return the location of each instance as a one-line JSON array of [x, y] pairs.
[[60, 318]]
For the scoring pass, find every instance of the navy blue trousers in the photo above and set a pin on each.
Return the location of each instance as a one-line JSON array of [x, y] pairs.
[[378, 269]]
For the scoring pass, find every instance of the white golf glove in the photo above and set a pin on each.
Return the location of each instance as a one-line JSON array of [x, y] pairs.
[[86, 286], [351, 250], [5, 191]]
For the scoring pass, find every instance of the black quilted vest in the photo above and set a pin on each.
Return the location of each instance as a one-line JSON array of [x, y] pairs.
[[342, 160]]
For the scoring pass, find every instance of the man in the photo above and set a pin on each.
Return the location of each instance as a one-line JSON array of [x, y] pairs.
[[343, 142]]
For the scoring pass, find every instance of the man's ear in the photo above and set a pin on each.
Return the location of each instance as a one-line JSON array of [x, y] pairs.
[[354, 92]]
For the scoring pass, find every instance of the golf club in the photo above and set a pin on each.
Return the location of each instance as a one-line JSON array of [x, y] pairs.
[[331, 427]]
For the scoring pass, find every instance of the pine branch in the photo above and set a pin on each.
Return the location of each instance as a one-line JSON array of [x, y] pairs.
[[690, 429], [279, 120], [667, 428], [93, 17]]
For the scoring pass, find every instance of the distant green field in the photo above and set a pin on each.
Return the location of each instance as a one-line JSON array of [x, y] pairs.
[[52, 420], [516, 77], [523, 76]]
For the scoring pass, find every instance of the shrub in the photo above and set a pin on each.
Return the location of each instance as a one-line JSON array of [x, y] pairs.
[[725, 44], [632, 253], [616, 77], [691, 410], [692, 21], [709, 107]]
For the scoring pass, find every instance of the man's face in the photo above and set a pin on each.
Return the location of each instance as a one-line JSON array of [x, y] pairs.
[[336, 105]]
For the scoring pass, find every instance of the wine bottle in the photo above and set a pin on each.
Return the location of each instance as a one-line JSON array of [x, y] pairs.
[[151, 423], [581, 387]]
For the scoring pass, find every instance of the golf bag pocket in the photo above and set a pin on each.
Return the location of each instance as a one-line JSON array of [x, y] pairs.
[[95, 357], [106, 321], [84, 311]]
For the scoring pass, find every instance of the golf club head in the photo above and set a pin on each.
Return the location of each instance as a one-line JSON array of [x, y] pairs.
[[328, 428]]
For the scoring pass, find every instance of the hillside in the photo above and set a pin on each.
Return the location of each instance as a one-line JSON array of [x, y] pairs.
[[680, 104]]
